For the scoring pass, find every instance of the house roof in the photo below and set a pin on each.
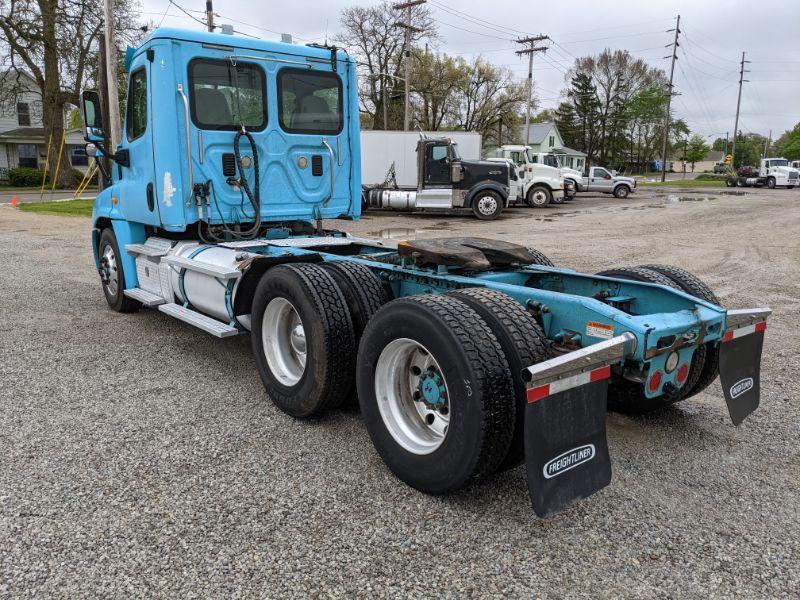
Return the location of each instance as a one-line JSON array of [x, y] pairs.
[[715, 155], [24, 132], [36, 135], [538, 131], [568, 151]]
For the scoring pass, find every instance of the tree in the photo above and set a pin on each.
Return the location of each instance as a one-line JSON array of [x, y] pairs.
[[371, 34], [696, 150], [485, 96], [788, 145], [56, 42], [437, 78], [578, 119]]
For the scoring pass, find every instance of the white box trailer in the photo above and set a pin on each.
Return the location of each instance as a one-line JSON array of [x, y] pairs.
[[379, 149]]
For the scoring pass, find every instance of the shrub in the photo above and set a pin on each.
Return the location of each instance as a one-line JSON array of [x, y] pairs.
[[25, 177], [79, 177], [710, 177]]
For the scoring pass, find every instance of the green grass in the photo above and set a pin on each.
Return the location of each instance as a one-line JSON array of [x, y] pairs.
[[69, 208], [683, 183]]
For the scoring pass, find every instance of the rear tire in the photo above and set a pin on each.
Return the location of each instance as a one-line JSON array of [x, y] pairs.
[[430, 351], [524, 344], [538, 196], [310, 369], [364, 295], [113, 275], [539, 258]]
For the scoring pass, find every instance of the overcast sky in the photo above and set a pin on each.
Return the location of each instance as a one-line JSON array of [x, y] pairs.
[[713, 36]]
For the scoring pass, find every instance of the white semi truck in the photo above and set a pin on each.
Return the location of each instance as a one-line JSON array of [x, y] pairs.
[[772, 173], [540, 182]]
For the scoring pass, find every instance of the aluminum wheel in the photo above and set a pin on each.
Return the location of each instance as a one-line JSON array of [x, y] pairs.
[[284, 341], [109, 270], [487, 205], [412, 396], [539, 197]]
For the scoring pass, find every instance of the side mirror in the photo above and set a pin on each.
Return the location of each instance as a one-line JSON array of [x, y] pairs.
[[92, 116]]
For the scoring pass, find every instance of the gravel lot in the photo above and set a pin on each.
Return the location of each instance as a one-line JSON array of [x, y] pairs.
[[141, 457]]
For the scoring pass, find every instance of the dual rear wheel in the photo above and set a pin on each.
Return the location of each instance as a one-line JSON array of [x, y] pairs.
[[438, 377]]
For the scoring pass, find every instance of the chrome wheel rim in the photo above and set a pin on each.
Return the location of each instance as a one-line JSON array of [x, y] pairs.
[[487, 205], [412, 396], [283, 338], [108, 263], [539, 197]]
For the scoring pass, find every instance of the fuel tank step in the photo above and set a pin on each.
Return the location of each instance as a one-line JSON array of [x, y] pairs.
[[145, 297], [199, 320]]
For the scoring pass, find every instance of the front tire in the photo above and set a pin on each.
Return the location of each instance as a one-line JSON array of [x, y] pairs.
[[538, 196], [435, 392], [112, 274], [621, 191], [487, 205], [771, 183], [302, 339]]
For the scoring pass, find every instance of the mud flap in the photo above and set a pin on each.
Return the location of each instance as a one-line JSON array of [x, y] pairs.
[[740, 370], [566, 450]]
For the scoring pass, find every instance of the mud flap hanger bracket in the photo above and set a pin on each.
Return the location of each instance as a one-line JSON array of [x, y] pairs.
[[566, 450]]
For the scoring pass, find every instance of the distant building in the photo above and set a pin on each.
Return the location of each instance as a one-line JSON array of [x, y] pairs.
[[544, 137], [22, 141], [702, 166]]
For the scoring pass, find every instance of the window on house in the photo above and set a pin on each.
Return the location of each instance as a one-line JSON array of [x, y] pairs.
[[23, 114], [137, 105], [78, 157], [27, 155], [552, 141]]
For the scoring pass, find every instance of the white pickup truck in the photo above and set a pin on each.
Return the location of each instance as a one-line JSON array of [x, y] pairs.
[[539, 184], [602, 180]]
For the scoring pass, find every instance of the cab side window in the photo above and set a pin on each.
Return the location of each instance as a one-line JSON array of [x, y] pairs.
[[136, 114]]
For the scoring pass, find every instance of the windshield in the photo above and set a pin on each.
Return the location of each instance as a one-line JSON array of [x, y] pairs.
[[779, 163], [454, 150], [530, 154], [551, 160]]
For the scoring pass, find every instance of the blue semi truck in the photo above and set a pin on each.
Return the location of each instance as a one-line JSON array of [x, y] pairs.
[[468, 356]]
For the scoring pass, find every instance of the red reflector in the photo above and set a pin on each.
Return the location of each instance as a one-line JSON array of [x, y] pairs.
[[655, 381], [761, 326], [601, 373], [538, 393], [728, 336], [683, 372]]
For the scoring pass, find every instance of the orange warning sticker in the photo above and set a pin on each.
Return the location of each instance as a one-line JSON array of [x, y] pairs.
[[599, 330]]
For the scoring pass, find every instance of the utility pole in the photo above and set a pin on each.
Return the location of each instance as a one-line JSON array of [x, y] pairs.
[[767, 144], [210, 15], [112, 62], [738, 104], [669, 98], [726, 142], [409, 28], [530, 50]]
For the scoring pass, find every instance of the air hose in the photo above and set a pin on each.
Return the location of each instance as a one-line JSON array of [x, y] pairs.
[[254, 195]]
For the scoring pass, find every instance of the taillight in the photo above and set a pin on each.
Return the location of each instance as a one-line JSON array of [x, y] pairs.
[[655, 382]]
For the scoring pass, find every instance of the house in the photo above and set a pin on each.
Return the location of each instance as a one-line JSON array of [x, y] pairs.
[[22, 140], [544, 137], [701, 166]]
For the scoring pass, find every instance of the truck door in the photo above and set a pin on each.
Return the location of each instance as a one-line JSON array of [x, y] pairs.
[[437, 165], [138, 195], [600, 180]]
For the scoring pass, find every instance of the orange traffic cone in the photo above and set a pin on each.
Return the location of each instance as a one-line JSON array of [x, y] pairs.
[[13, 201]]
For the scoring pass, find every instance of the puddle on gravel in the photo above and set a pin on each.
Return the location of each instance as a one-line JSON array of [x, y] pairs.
[[674, 199], [409, 233]]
